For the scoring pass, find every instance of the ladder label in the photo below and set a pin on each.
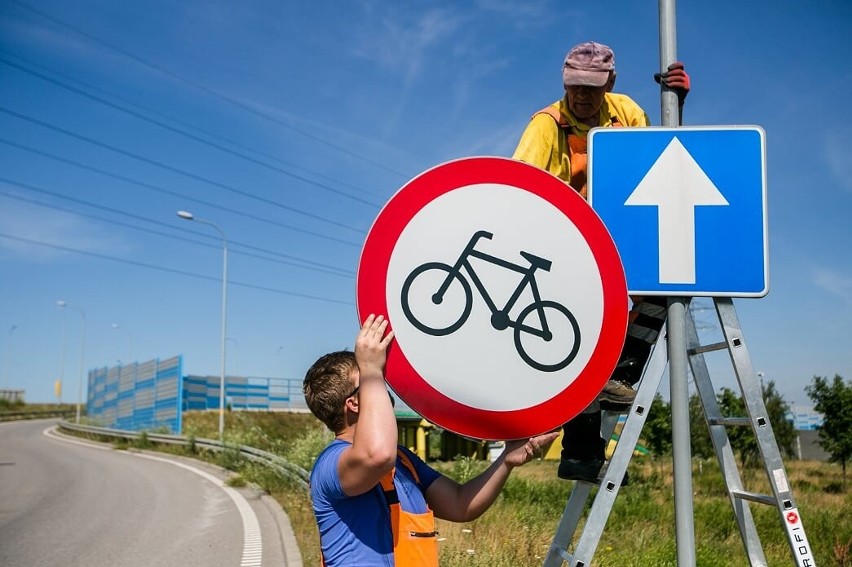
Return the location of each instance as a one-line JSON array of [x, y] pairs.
[[798, 539], [781, 480]]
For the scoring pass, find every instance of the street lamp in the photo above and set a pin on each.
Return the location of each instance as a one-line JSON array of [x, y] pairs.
[[117, 327], [63, 305], [186, 215]]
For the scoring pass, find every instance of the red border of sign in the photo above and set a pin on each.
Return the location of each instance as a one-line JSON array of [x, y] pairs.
[[404, 379]]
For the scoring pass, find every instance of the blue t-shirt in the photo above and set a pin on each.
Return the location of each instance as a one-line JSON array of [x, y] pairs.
[[356, 530]]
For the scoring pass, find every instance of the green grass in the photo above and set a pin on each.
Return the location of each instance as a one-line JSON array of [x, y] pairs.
[[517, 531]]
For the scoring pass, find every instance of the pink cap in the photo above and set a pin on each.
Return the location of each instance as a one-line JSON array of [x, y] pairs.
[[588, 64]]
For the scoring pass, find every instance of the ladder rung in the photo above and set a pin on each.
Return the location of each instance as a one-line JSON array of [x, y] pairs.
[[739, 421], [708, 348], [754, 497]]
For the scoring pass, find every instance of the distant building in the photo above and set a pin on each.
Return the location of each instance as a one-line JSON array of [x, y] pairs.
[[806, 421], [12, 395], [804, 418]]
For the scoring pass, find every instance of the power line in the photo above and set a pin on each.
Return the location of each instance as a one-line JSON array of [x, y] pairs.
[[171, 270], [187, 134], [170, 192], [173, 169], [152, 221], [186, 124], [207, 89], [295, 261]]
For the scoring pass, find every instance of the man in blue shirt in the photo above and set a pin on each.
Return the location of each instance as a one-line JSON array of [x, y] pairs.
[[373, 500]]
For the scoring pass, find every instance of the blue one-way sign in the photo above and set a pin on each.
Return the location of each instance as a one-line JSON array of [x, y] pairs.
[[685, 206]]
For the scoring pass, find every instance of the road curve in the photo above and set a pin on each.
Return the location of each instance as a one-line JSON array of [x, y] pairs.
[[70, 503]]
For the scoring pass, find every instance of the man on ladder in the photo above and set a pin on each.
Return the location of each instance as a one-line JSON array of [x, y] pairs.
[[555, 140]]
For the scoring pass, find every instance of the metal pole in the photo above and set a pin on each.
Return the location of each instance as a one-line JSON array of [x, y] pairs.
[[676, 323], [224, 332], [681, 449], [186, 215], [63, 305], [82, 365], [668, 55], [62, 356]]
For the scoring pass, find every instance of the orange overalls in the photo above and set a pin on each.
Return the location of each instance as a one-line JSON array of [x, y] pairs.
[[415, 540], [577, 149]]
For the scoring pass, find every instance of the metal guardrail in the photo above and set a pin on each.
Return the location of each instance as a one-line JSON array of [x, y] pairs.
[[279, 464], [34, 414]]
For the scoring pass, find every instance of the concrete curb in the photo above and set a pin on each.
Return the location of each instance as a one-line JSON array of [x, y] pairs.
[[292, 554]]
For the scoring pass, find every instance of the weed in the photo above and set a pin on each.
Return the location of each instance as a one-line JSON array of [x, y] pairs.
[[229, 457], [141, 442], [236, 481], [842, 554], [464, 468], [304, 450]]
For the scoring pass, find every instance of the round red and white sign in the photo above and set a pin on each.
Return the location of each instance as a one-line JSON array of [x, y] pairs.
[[506, 295]]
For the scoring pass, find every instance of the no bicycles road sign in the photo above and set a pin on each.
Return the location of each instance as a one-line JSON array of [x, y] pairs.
[[506, 295]]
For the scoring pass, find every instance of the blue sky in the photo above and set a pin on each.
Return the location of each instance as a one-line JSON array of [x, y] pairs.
[[290, 124]]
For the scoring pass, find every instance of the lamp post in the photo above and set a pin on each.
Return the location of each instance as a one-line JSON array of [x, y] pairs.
[[63, 305], [117, 327], [186, 215], [58, 390]]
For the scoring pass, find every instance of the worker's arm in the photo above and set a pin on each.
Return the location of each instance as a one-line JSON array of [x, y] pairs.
[[373, 450], [465, 502]]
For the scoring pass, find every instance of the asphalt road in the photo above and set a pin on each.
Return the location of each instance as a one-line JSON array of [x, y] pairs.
[[68, 503]]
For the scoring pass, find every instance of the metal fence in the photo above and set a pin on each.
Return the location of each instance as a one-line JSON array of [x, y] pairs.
[[243, 393], [154, 394], [138, 396]]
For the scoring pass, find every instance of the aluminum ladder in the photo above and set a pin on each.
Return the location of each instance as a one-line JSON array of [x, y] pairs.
[[781, 498]]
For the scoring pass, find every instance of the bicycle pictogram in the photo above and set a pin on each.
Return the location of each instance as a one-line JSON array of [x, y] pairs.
[[534, 325]]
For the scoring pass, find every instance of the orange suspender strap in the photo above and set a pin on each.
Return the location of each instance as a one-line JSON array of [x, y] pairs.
[[415, 541], [577, 149]]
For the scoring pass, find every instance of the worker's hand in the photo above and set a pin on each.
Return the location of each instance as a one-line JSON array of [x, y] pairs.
[[676, 79], [371, 346], [522, 451]]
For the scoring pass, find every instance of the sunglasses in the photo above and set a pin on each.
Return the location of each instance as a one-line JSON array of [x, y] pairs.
[[355, 391]]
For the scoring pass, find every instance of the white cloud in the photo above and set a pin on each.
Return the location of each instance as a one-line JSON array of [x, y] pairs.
[[55, 230], [837, 151], [402, 45], [835, 282], [522, 15]]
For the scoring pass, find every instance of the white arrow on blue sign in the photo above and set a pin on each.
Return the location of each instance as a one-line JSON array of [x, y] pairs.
[[686, 207]]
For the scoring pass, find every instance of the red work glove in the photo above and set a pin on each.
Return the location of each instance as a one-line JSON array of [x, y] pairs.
[[676, 79]]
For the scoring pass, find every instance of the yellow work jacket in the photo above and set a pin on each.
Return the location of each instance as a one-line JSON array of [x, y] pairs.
[[544, 144]]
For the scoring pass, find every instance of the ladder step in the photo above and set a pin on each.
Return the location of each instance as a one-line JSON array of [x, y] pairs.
[[707, 348], [754, 497], [563, 553], [738, 421]]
